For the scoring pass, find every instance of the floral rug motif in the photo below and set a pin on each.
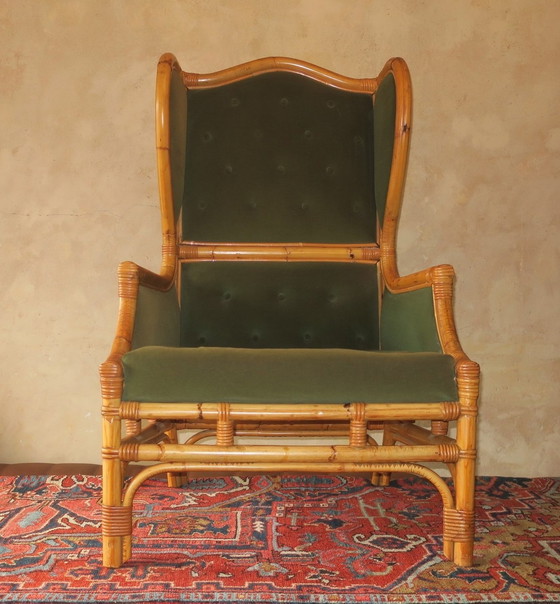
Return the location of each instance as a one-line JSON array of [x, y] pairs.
[[286, 539]]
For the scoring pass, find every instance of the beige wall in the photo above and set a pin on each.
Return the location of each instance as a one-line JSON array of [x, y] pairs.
[[78, 188]]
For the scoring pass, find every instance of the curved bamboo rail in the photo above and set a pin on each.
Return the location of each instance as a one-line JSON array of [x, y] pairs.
[[275, 64], [452, 525]]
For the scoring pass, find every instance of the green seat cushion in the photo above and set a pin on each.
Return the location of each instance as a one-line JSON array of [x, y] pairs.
[[238, 375]]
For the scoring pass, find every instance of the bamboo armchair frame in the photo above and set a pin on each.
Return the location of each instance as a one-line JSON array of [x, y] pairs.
[[150, 429]]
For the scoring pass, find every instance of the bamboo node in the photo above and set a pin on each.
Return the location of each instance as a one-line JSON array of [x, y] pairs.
[[449, 452], [358, 425], [132, 427], [467, 454], [109, 453], [224, 426], [128, 280], [458, 525], [371, 254], [451, 411], [116, 520], [188, 252], [169, 249], [130, 410], [468, 370], [439, 427], [110, 412], [129, 451], [111, 378]]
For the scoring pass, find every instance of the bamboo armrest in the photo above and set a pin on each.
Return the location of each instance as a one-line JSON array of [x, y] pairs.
[[442, 274], [440, 278], [130, 278], [132, 275]]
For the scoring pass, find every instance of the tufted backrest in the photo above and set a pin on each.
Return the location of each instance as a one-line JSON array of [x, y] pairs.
[[279, 158], [279, 305]]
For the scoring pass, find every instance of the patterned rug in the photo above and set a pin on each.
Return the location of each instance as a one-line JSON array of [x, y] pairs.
[[288, 539]]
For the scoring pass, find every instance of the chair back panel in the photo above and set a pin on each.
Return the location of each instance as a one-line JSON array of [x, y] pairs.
[[277, 158], [279, 305]]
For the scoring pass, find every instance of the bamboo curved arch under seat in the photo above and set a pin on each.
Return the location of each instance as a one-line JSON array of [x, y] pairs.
[[279, 309]]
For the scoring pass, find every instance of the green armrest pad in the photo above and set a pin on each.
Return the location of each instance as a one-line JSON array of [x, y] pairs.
[[408, 322], [163, 374], [157, 321]]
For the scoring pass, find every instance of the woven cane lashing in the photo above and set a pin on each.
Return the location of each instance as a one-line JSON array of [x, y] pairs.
[[279, 305], [279, 158]]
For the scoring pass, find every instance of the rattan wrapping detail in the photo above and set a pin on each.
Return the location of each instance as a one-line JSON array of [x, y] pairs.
[[458, 525], [116, 520], [130, 410]]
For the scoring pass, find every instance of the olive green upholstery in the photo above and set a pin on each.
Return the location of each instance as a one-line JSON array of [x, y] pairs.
[[157, 320], [408, 322], [279, 158], [243, 375], [279, 305], [282, 158]]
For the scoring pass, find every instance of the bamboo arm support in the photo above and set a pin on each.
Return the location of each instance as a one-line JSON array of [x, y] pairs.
[[396, 284], [131, 276], [440, 278]]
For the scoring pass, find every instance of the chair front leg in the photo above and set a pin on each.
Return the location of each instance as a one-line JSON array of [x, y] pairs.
[[116, 519], [460, 525]]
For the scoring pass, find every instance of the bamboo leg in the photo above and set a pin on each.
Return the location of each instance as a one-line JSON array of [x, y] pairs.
[[463, 522], [116, 519], [383, 479], [175, 479]]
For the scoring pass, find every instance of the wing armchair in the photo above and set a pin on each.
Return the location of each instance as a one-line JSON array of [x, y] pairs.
[[279, 309]]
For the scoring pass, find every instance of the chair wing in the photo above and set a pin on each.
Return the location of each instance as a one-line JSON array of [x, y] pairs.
[[279, 309]]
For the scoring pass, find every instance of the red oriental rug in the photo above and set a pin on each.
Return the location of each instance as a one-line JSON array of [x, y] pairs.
[[287, 539]]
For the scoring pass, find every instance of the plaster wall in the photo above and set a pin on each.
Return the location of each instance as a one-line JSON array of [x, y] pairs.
[[79, 193]]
